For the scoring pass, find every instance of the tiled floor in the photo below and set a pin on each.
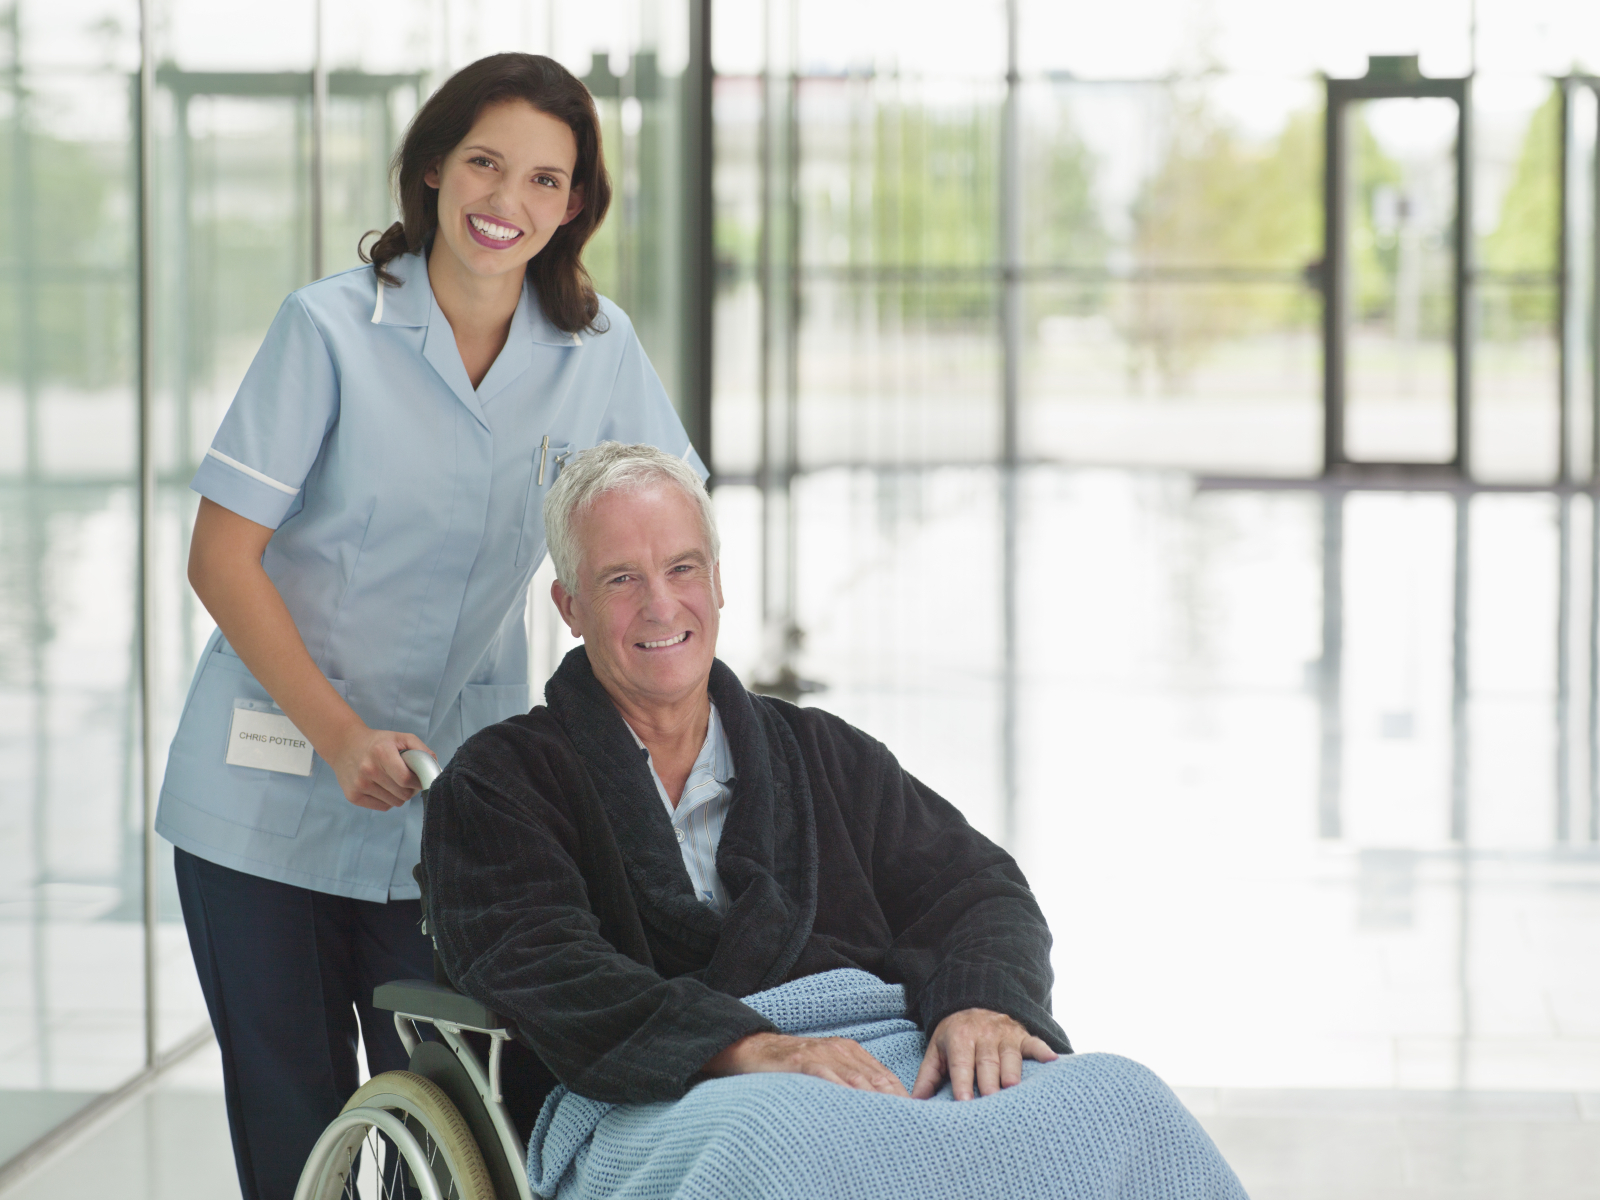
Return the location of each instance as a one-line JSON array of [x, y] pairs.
[[1403, 1145], [170, 1144]]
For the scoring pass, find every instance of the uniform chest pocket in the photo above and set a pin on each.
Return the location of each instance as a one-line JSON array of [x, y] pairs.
[[548, 459]]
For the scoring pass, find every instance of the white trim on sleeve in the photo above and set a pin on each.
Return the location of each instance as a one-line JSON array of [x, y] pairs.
[[377, 308], [252, 472]]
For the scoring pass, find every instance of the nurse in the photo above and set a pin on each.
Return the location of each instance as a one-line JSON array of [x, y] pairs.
[[369, 523]]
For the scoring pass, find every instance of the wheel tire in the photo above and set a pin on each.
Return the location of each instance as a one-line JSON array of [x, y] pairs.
[[448, 1151]]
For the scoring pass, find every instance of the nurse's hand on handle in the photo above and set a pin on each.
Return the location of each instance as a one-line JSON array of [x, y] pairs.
[[370, 769], [226, 573]]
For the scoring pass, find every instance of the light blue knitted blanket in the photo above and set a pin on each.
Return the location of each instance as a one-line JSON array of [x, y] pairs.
[[1086, 1127]]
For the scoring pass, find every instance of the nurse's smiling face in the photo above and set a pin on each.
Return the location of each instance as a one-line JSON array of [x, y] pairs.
[[505, 189], [648, 597]]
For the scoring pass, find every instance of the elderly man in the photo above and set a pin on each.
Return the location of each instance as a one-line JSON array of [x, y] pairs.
[[663, 880]]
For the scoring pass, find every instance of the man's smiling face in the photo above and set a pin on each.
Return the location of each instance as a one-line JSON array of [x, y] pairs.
[[648, 595]]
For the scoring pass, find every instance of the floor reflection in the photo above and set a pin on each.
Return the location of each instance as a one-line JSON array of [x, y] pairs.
[[71, 903], [1305, 780]]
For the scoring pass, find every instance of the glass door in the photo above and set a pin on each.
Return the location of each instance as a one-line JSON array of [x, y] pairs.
[[1396, 274]]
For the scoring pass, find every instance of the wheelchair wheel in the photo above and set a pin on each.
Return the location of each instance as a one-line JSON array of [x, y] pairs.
[[398, 1138]]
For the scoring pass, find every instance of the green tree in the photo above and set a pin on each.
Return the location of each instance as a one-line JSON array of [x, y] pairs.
[[1220, 203], [76, 289], [1217, 201], [1061, 221], [1525, 238]]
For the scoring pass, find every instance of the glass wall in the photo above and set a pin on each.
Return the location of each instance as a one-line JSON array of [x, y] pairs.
[[978, 331], [953, 285], [257, 189], [1168, 192], [71, 834], [1167, 319]]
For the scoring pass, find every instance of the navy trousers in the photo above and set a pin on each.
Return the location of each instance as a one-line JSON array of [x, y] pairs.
[[287, 975]]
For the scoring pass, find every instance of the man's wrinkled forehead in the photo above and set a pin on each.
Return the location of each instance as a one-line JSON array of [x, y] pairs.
[[607, 542]]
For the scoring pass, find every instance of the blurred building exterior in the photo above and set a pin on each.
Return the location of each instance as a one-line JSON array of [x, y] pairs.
[[947, 242]]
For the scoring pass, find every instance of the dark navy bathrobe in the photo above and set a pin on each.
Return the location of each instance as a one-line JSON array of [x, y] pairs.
[[559, 898]]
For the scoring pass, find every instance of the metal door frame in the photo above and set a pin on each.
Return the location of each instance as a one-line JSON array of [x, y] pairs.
[[1570, 330], [1390, 78]]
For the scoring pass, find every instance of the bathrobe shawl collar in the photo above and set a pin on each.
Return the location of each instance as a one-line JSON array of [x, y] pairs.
[[768, 853]]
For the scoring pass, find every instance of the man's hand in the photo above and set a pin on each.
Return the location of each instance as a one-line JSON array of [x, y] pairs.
[[977, 1043], [838, 1060]]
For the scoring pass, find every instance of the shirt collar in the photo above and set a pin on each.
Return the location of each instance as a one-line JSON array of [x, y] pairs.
[[720, 755], [412, 304], [714, 755]]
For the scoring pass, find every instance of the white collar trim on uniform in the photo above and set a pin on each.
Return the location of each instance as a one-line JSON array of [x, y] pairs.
[[411, 303]]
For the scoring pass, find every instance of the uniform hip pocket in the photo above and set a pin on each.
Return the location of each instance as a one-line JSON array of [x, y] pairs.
[[199, 774]]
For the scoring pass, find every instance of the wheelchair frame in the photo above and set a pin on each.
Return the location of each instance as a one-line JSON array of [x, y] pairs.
[[459, 1091], [485, 1082]]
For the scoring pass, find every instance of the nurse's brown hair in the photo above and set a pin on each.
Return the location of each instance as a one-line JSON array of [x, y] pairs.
[[565, 291]]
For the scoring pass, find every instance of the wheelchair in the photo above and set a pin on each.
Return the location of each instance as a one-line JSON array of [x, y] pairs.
[[439, 1130]]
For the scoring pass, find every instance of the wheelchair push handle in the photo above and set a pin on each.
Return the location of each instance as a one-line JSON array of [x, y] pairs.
[[423, 765]]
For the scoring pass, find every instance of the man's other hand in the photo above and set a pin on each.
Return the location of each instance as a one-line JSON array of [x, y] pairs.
[[838, 1060], [976, 1045]]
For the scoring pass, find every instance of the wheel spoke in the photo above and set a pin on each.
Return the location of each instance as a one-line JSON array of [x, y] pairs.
[[372, 1166]]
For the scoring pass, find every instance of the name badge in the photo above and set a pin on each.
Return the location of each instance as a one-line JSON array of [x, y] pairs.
[[262, 737]]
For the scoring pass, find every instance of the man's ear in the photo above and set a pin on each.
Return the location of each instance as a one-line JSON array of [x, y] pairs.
[[574, 203], [716, 582], [567, 605]]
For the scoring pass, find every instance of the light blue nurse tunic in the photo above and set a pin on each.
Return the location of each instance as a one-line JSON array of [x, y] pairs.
[[407, 510]]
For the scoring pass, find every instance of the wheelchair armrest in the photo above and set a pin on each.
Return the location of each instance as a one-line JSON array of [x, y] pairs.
[[424, 998]]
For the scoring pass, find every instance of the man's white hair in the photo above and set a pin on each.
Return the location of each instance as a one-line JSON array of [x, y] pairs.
[[614, 467]]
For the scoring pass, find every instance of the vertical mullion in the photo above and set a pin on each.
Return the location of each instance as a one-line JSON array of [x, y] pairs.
[[319, 115], [780, 301], [1011, 355], [1564, 281], [791, 336], [1464, 275], [145, 302], [1563, 823], [764, 150], [1594, 290], [1333, 279], [1592, 712], [1592, 299], [699, 203]]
